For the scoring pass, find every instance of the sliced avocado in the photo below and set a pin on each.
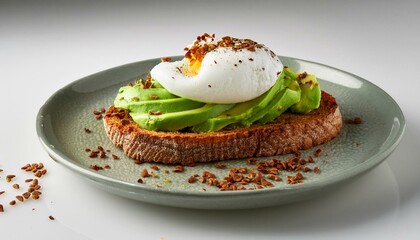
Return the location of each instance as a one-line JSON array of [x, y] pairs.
[[164, 105], [271, 102], [131, 94], [233, 115], [156, 84], [310, 94], [289, 72], [154, 108], [288, 98], [179, 120], [244, 114]]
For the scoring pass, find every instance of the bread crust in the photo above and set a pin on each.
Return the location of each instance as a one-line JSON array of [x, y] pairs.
[[289, 133]]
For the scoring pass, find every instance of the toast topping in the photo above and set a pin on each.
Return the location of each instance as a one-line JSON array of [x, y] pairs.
[[220, 84], [153, 107], [223, 71]]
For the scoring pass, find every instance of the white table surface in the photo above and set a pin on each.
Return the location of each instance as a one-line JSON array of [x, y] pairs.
[[44, 46]]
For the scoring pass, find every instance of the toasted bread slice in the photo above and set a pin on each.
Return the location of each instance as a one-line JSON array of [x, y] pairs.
[[287, 134]]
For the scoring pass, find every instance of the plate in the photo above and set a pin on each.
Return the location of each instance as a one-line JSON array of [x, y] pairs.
[[68, 127]]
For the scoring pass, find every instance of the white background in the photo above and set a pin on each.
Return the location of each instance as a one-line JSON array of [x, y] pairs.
[[44, 46]]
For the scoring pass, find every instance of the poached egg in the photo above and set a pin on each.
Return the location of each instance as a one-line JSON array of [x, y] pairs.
[[227, 70]]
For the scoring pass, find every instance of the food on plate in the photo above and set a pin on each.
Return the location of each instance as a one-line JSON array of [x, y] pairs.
[[227, 98]]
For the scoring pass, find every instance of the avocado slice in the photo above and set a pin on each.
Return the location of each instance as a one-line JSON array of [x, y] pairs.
[[289, 73], [310, 94], [271, 102], [288, 98], [178, 120], [233, 115], [164, 105], [244, 114], [128, 95]]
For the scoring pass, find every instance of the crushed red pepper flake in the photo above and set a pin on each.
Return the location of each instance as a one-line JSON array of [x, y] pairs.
[[100, 152], [154, 96], [355, 120], [98, 116], [95, 167], [178, 169], [252, 160], [220, 165], [202, 179], [10, 177], [302, 75], [192, 179], [298, 178], [157, 113], [145, 173], [35, 196], [318, 152], [1, 208], [38, 174], [26, 195], [93, 155], [26, 166], [20, 198], [307, 169], [166, 59], [310, 159]]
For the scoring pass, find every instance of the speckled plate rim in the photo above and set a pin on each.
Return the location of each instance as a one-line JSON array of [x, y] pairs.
[[349, 173]]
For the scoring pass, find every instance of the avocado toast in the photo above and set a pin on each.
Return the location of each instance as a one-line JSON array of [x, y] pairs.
[[288, 133], [152, 125], [227, 99]]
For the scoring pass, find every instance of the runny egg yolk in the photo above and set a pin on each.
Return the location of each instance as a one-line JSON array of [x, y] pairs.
[[195, 54], [193, 68]]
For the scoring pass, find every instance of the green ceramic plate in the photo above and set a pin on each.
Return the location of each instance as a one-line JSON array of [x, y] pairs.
[[358, 148]]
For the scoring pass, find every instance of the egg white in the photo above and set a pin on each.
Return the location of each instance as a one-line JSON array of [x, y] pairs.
[[225, 76]]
